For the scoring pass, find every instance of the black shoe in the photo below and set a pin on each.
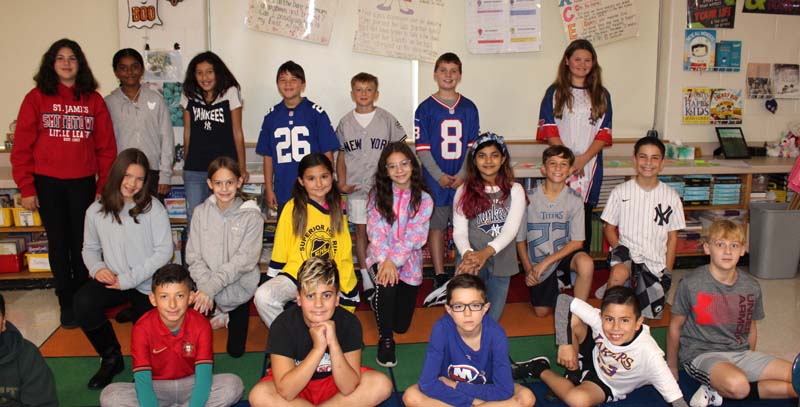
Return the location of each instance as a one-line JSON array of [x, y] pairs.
[[440, 280], [109, 367], [573, 376], [125, 315], [369, 296], [531, 368], [386, 356], [68, 320]]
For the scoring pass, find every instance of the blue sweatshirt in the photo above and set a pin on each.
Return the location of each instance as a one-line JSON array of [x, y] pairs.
[[484, 374]]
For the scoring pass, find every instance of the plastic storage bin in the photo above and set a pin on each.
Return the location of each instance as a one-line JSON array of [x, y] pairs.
[[774, 240], [24, 217]]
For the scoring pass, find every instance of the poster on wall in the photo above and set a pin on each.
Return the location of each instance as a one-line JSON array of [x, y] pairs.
[[143, 14], [164, 66], [710, 13], [407, 29], [786, 81], [503, 27], [759, 85], [726, 106], [789, 7], [696, 105], [600, 21], [307, 20], [699, 49]]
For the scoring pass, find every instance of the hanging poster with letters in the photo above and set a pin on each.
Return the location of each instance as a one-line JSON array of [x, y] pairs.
[[307, 20], [503, 27], [599, 21], [143, 13], [407, 29], [789, 7]]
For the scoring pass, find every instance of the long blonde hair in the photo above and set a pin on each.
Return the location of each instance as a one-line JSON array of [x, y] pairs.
[[593, 84]]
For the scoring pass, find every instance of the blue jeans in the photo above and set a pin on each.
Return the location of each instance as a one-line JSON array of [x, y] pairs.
[[496, 292], [196, 187]]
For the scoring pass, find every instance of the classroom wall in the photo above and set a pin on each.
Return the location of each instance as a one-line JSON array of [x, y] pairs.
[[765, 38], [30, 26]]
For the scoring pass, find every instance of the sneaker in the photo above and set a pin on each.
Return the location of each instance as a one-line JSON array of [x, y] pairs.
[[68, 320], [440, 280], [531, 368], [705, 396], [436, 297], [386, 356], [600, 291], [219, 320], [369, 295], [124, 315], [564, 282]]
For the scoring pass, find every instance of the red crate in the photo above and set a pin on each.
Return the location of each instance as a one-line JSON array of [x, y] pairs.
[[11, 263]]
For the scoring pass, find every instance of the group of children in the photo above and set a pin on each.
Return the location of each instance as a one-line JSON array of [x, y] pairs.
[[399, 201]]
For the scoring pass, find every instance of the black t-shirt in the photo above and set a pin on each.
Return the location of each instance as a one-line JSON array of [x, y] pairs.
[[211, 129], [289, 336]]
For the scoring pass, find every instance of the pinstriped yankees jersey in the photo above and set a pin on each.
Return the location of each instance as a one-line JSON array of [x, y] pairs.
[[645, 218]]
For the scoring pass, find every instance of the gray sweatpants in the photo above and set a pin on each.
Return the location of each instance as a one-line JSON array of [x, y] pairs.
[[226, 390]]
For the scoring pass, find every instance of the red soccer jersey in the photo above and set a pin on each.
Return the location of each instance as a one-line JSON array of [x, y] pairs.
[[170, 356]]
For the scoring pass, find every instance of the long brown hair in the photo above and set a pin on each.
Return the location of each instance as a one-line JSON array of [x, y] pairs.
[[47, 79], [333, 198], [593, 83], [111, 200], [381, 193]]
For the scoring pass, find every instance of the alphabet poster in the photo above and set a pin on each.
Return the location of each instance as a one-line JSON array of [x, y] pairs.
[[406, 29], [307, 20], [599, 21], [502, 27]]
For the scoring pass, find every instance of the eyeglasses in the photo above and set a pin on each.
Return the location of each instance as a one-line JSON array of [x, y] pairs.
[[398, 165], [475, 307]]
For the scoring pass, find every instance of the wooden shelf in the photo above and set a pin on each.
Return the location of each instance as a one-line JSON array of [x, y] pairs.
[[26, 275], [12, 229], [172, 221]]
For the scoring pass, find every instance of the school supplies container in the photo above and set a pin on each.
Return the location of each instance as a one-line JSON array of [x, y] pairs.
[[6, 217], [774, 237], [24, 217]]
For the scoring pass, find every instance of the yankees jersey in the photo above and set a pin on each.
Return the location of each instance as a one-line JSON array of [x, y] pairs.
[[288, 135], [362, 146], [718, 316], [577, 132], [645, 218], [497, 227], [210, 129], [627, 367], [551, 225], [447, 132]]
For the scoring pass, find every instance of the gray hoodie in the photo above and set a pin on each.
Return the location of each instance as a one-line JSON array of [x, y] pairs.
[[224, 249]]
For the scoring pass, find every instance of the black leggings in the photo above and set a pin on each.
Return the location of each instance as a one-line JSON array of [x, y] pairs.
[[62, 205], [587, 222], [394, 308], [238, 321], [93, 298]]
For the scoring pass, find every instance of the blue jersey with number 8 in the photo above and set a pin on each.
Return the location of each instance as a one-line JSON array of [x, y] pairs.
[[288, 135], [447, 132]]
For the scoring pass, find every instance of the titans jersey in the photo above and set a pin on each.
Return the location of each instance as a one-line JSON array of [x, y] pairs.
[[447, 132], [288, 135]]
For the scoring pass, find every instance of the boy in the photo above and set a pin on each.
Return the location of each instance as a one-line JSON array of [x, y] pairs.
[[172, 353], [712, 331], [315, 349], [553, 238], [611, 348], [363, 133], [292, 129], [648, 214], [446, 125], [467, 360], [25, 378]]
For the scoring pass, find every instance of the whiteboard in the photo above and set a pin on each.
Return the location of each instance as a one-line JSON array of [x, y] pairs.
[[507, 88]]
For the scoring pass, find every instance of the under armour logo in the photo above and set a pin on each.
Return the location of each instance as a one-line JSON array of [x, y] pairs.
[[662, 216]]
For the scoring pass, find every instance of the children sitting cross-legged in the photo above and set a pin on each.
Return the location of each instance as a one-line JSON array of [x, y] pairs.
[[612, 349], [467, 362], [172, 353], [712, 331], [315, 349]]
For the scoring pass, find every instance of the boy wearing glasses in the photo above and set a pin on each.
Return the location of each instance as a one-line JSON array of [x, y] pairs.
[[467, 358], [363, 133]]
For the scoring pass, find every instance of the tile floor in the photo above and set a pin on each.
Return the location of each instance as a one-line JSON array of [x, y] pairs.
[[35, 313]]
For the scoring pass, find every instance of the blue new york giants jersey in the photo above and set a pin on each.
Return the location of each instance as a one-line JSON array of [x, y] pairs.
[[447, 132], [288, 135]]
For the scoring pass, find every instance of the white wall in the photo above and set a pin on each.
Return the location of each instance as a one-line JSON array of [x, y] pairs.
[[30, 26], [765, 38]]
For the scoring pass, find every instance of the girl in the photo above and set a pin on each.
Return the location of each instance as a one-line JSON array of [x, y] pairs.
[[398, 213], [63, 140], [312, 224], [223, 252], [576, 112], [490, 207], [128, 238], [212, 123], [141, 118]]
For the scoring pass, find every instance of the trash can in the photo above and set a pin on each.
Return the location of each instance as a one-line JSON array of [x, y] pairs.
[[774, 240]]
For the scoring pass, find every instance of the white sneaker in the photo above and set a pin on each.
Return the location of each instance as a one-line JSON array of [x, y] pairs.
[[705, 396], [437, 296], [219, 320], [600, 291]]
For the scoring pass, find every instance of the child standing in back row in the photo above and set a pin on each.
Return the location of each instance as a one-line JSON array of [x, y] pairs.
[[446, 125], [223, 251], [363, 133], [212, 123]]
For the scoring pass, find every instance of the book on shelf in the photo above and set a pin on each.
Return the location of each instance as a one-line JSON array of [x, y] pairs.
[[697, 105], [699, 49], [729, 55], [726, 106]]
